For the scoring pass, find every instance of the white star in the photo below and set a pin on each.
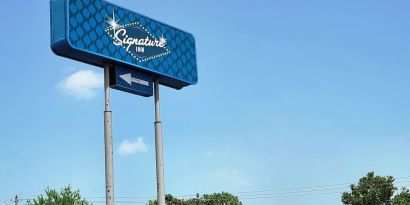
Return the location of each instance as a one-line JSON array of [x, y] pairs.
[[163, 40], [112, 22]]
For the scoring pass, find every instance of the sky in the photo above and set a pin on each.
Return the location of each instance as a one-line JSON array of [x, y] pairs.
[[291, 94]]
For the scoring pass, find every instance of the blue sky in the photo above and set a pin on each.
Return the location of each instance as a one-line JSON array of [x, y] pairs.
[[291, 94]]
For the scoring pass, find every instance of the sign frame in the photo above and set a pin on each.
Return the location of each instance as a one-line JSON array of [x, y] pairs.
[[61, 45]]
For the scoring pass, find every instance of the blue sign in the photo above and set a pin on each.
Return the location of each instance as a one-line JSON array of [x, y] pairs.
[[98, 32], [131, 81]]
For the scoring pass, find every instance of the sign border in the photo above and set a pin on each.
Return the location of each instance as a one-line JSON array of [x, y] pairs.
[[163, 78]]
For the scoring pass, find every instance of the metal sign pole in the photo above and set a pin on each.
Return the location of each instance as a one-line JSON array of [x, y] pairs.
[[109, 175], [132, 73], [158, 148]]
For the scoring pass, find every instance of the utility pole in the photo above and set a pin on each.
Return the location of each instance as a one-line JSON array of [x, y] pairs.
[[16, 200]]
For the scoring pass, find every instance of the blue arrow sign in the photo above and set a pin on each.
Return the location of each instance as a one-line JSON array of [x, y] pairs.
[[97, 32], [131, 81]]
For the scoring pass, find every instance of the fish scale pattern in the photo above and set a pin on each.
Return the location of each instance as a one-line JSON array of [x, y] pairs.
[[87, 22]]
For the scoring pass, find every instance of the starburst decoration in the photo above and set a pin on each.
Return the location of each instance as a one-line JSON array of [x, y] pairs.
[[113, 22], [163, 40]]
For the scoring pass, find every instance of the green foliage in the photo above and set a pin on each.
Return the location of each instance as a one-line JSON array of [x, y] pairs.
[[65, 197], [169, 200], [223, 198], [371, 190], [403, 198]]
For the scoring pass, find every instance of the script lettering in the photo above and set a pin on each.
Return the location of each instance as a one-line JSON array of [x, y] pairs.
[[121, 38]]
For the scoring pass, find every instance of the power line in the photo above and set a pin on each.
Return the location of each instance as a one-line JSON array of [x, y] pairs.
[[120, 202], [287, 196], [122, 197], [302, 191], [295, 194], [304, 187], [255, 194], [242, 197]]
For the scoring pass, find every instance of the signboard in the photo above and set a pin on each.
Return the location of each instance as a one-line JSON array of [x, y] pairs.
[[131, 81], [96, 32]]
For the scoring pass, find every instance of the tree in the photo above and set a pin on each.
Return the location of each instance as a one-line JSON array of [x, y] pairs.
[[371, 190], [65, 197], [403, 198], [223, 198], [169, 200]]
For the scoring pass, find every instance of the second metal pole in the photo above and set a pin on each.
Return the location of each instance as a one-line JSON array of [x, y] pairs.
[[109, 170], [158, 148]]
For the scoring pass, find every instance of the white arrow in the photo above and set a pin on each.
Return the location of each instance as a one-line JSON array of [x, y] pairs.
[[129, 79]]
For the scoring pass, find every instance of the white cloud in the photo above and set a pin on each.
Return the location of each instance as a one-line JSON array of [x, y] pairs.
[[212, 153], [230, 176], [83, 84], [209, 153], [132, 147]]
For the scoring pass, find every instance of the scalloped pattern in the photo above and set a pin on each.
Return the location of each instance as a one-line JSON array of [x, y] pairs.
[[87, 25]]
